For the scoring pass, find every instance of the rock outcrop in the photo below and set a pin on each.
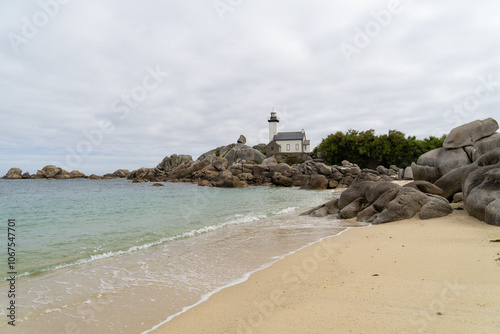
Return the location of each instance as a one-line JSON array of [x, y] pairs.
[[445, 160], [242, 140], [454, 181], [466, 165], [468, 134], [121, 173], [173, 161], [316, 182], [13, 174], [380, 202], [147, 174], [482, 200], [47, 172], [52, 172], [118, 174], [75, 174], [329, 208], [492, 213], [483, 146], [238, 165], [235, 153], [62, 175], [466, 168], [462, 147]]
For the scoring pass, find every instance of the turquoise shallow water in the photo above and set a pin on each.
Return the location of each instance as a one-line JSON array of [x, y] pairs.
[[110, 256], [63, 222]]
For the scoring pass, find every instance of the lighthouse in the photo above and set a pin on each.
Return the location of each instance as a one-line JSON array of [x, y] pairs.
[[286, 142], [273, 125]]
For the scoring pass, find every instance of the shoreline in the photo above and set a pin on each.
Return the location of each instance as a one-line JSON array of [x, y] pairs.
[[115, 285], [438, 275], [243, 279]]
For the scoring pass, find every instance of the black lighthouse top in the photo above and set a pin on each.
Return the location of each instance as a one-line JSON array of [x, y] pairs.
[[273, 117]]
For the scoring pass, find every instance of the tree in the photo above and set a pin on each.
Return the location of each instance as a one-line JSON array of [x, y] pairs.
[[365, 148]]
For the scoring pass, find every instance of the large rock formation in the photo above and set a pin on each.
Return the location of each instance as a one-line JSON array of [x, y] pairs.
[[62, 174], [226, 179], [463, 146], [444, 159], [316, 182], [464, 165], [173, 161], [234, 165], [455, 180], [492, 213], [479, 185], [51, 171], [147, 174], [13, 174], [468, 134], [121, 173], [235, 153], [118, 174], [383, 202], [238, 165], [74, 174], [483, 146], [58, 173], [483, 200], [47, 172]]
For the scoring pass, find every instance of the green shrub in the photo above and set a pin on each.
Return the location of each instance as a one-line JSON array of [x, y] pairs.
[[292, 160], [364, 148]]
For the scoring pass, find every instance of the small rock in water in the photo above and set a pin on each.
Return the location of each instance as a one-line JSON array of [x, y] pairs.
[[158, 185]]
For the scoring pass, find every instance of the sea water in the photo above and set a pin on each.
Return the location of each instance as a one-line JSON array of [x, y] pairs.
[[112, 256]]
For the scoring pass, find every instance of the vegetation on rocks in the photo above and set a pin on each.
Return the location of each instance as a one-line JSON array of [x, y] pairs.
[[261, 148], [292, 160], [466, 168], [367, 149]]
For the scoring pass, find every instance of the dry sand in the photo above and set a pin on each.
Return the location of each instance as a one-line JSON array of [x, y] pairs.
[[414, 276]]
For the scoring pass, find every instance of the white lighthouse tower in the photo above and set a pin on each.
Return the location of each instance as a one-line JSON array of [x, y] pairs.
[[273, 125]]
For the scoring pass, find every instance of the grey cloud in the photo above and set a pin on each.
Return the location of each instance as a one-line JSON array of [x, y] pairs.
[[225, 76]]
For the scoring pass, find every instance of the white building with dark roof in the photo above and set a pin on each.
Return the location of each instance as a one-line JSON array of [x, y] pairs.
[[286, 142]]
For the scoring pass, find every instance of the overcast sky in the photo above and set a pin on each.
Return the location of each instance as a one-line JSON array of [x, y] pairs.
[[101, 85]]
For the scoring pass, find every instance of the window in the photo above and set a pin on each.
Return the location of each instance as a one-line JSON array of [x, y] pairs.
[[288, 147], [296, 147]]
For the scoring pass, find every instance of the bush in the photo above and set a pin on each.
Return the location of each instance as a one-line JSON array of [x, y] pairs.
[[261, 151], [292, 160], [365, 148]]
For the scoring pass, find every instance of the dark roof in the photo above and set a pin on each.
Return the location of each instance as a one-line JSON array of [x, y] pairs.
[[299, 135]]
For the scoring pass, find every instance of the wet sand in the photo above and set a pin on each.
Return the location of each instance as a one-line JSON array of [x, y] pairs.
[[415, 276]]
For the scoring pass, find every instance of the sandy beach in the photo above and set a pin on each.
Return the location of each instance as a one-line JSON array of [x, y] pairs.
[[414, 276]]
